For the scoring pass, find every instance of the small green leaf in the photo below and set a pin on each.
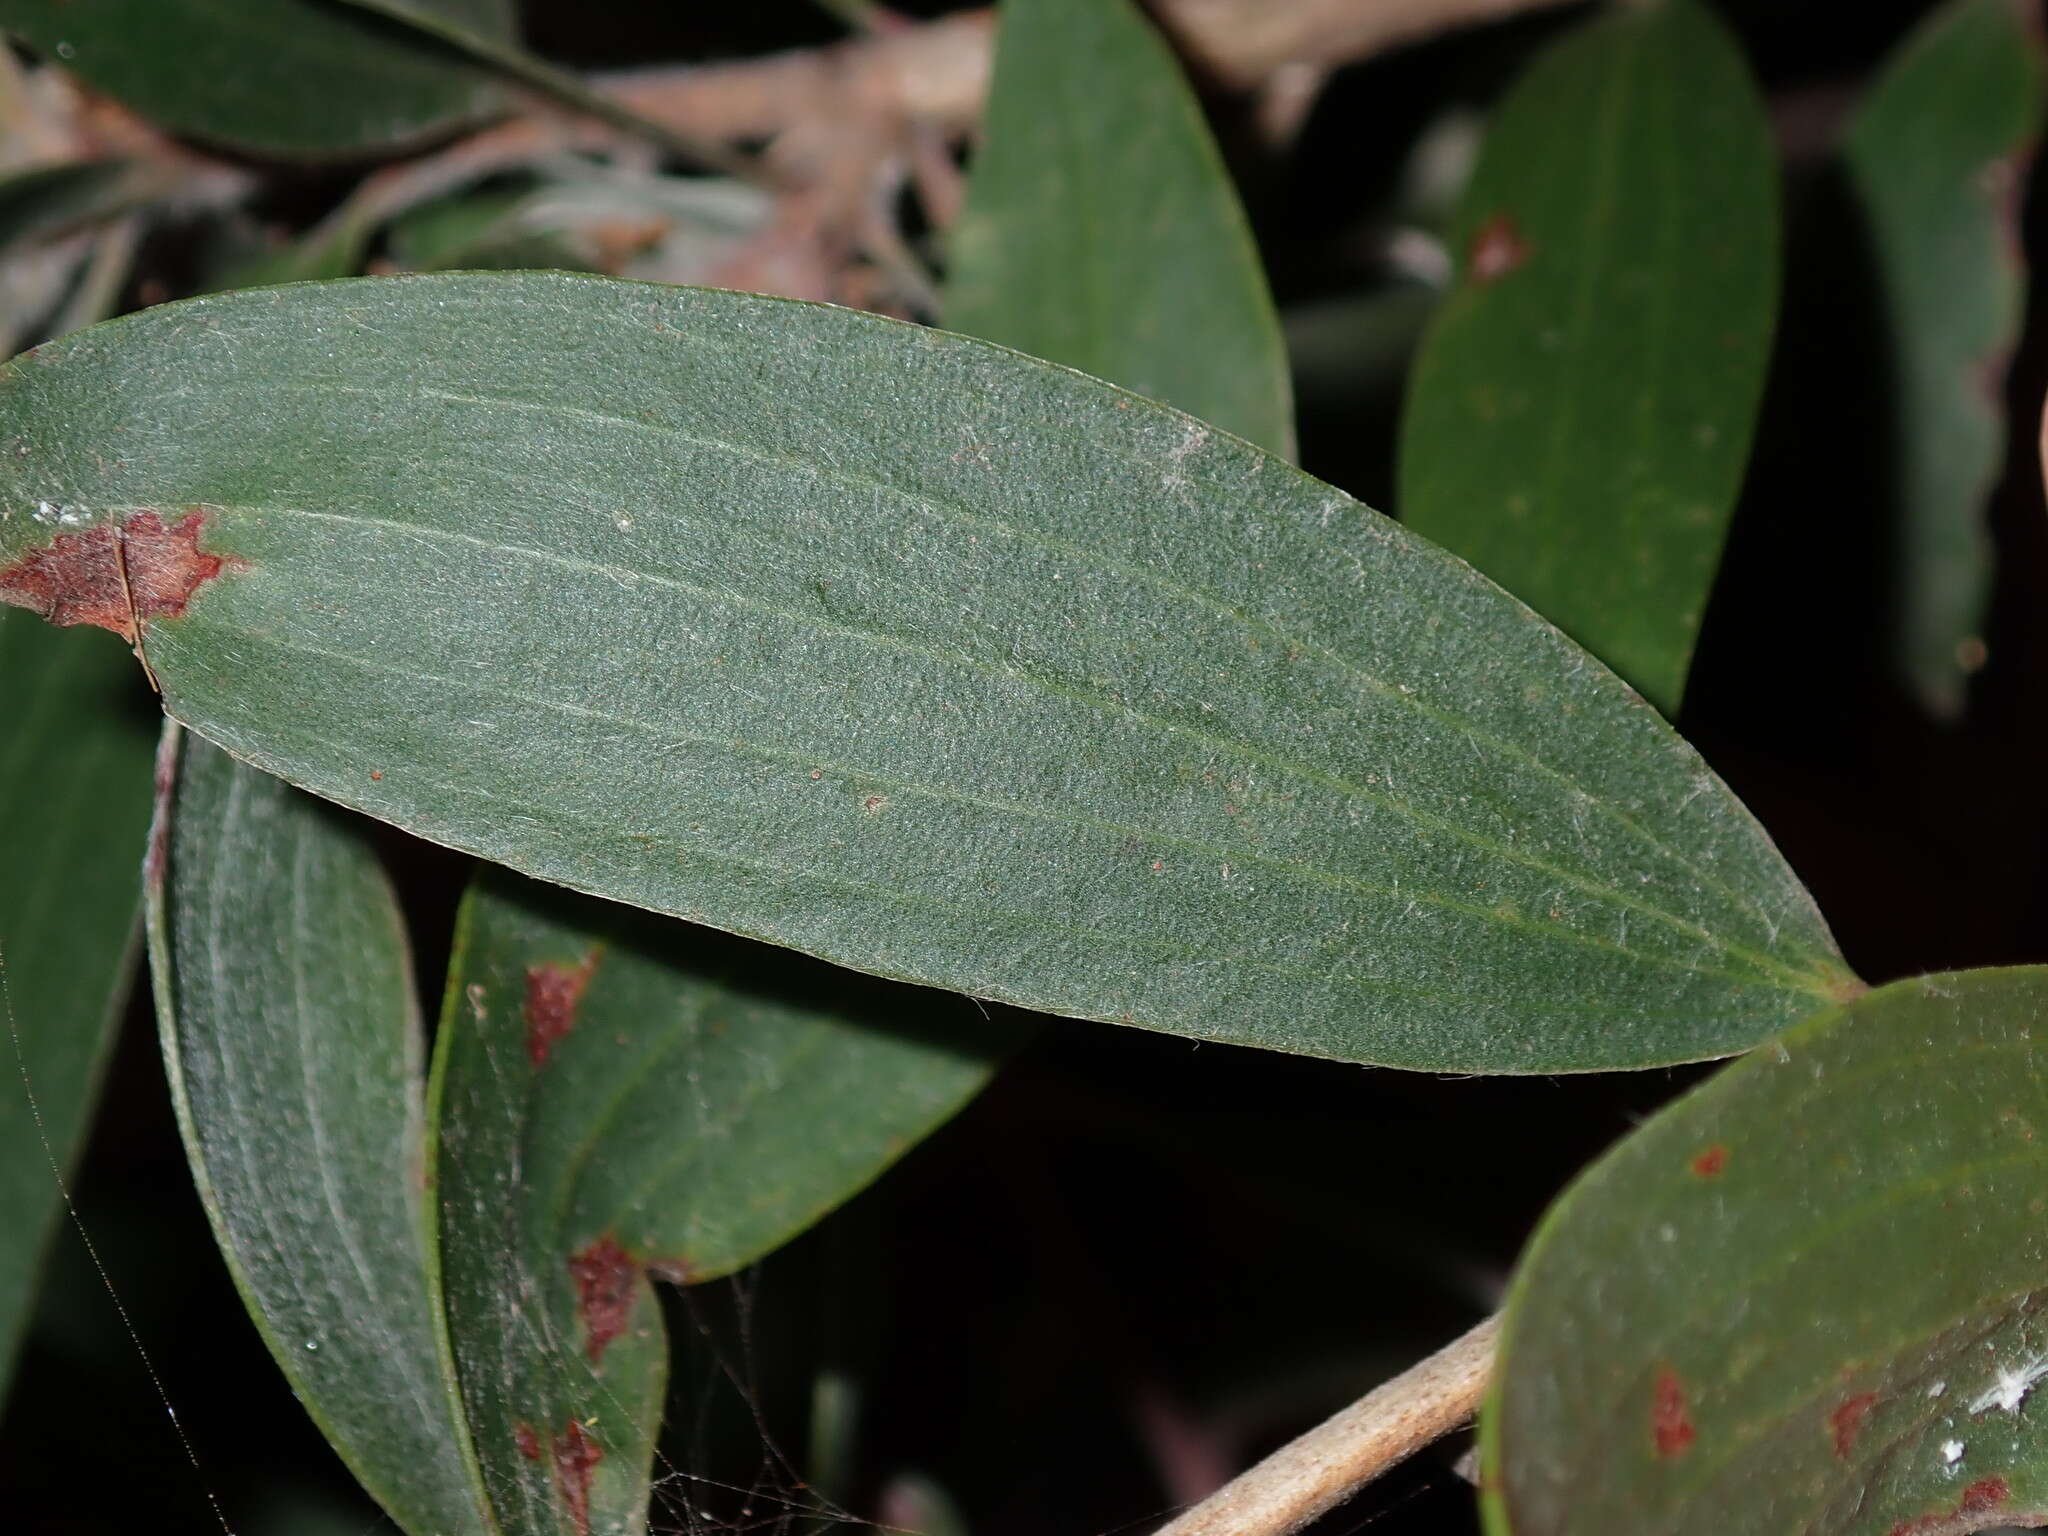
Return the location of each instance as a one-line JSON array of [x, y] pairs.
[[618, 1093], [301, 77], [1101, 228], [1938, 157], [1810, 1296], [291, 1036], [1581, 411], [901, 649], [74, 813]]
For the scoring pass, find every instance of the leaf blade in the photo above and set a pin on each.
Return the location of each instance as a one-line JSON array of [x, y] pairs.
[[1936, 156], [1632, 287], [619, 1095], [1042, 793], [308, 1142], [279, 76], [1101, 229], [1750, 1353], [74, 766]]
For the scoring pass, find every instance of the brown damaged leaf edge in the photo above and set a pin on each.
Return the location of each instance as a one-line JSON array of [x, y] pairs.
[[120, 575]]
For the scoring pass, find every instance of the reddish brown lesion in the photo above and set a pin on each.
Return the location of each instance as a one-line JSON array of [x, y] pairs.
[[1671, 1425], [1974, 1511], [607, 1280], [119, 575], [1708, 1162], [1847, 1419], [1497, 249], [577, 1454], [573, 1455], [553, 994]]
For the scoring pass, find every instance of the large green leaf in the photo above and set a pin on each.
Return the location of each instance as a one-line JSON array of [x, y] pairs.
[[1101, 229], [1811, 1296], [291, 1035], [902, 649], [1937, 157], [74, 811], [311, 77], [1581, 411], [618, 1093]]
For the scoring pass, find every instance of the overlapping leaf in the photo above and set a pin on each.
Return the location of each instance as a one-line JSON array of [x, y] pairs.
[[1811, 1296], [614, 1093], [311, 77], [620, 1094], [1581, 411], [74, 797], [901, 649], [292, 1039], [1937, 158], [1101, 228]]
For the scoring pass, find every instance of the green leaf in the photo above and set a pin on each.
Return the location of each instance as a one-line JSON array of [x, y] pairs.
[[618, 1093], [1938, 157], [297, 77], [1810, 1296], [901, 649], [1101, 229], [291, 1036], [1581, 411], [74, 811], [49, 200]]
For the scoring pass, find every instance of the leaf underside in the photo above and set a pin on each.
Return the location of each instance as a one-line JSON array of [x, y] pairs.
[[904, 650]]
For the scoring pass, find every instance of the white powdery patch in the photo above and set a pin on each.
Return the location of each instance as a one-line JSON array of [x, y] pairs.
[[1951, 1452], [2010, 1387]]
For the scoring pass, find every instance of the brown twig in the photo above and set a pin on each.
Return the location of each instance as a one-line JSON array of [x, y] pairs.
[[937, 73], [1319, 1471]]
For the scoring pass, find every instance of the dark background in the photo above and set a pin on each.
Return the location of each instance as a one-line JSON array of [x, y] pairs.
[[1134, 1257]]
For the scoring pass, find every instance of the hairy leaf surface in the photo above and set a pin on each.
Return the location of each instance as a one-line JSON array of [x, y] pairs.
[[1581, 411], [292, 1039], [1810, 1296], [902, 649]]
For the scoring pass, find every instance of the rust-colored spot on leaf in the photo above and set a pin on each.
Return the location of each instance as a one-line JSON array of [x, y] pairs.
[[118, 575], [527, 1441], [576, 1457], [1980, 1498], [605, 1276], [1497, 249], [553, 994], [1711, 1161], [1847, 1419], [1670, 1420]]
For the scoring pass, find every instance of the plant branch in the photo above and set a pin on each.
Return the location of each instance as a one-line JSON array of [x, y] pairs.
[[1319, 1471], [937, 72]]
